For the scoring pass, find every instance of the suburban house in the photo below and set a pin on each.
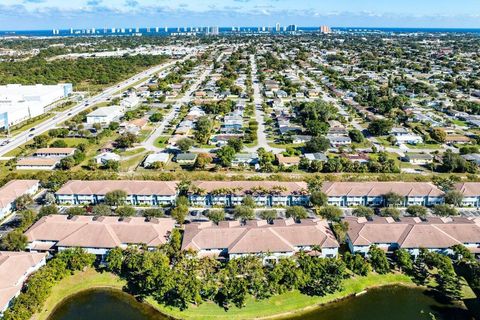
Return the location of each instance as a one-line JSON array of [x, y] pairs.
[[337, 140], [107, 156], [15, 268], [287, 161], [105, 115], [54, 152], [403, 135], [34, 163], [152, 193], [298, 139], [316, 157], [245, 159], [14, 189], [471, 193], [186, 159], [282, 238], [419, 158], [349, 194], [264, 193], [435, 234], [96, 235], [472, 157], [160, 157]]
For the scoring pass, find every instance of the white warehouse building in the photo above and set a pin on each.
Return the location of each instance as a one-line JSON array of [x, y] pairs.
[[19, 103]]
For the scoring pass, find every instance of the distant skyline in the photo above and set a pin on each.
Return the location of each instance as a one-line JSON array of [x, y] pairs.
[[62, 14]]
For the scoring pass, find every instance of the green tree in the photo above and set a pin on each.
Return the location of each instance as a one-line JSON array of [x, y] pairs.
[[14, 241], [203, 129], [203, 160], [126, 140], [114, 260], [66, 163], [403, 260], [115, 198], [268, 215], [444, 210], [23, 202], [340, 230], [27, 218], [48, 210], [179, 213], [393, 199], [380, 127], [417, 211], [125, 211], [248, 201], [112, 165], [156, 117], [356, 263], [318, 198], [216, 215], [438, 135], [185, 144], [153, 213], [362, 211], [390, 212], [225, 155], [331, 213], [75, 211], [454, 197], [449, 284], [101, 210], [378, 260], [236, 144], [243, 212], [296, 212], [317, 144], [356, 136]]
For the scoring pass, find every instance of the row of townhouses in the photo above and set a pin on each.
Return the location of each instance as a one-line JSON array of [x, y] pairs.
[[14, 189], [265, 193], [231, 239]]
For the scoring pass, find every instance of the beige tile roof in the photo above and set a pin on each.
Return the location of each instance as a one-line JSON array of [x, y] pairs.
[[245, 187], [14, 189], [33, 161], [104, 232], [137, 187], [469, 189], [13, 267], [373, 189], [54, 150], [413, 232], [258, 236]]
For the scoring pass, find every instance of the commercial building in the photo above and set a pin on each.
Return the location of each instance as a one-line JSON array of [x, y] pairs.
[[264, 193], [54, 152], [15, 267], [282, 238], [19, 103], [14, 189], [349, 194], [412, 234], [153, 193], [105, 115], [96, 236]]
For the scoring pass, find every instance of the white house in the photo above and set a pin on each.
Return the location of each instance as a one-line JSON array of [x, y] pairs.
[[105, 115]]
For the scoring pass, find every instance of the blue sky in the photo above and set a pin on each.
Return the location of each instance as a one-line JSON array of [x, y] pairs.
[[47, 14]]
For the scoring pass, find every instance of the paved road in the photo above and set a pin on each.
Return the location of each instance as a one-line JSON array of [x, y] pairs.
[[262, 141], [51, 123], [159, 130]]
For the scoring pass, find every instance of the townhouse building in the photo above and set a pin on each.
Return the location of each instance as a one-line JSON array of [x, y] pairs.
[[350, 194], [434, 234], [264, 193], [470, 192], [14, 189], [282, 238], [150, 193], [96, 235]]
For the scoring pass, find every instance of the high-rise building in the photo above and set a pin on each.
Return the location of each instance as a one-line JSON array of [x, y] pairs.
[[325, 30], [292, 28], [214, 30], [277, 27]]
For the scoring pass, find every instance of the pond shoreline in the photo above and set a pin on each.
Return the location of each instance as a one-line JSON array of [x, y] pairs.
[[265, 310]]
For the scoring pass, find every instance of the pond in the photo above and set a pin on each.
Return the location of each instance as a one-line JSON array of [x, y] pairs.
[[100, 304], [392, 303]]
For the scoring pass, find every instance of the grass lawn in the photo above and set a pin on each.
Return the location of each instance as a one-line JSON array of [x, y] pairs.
[[132, 163], [286, 303], [161, 142], [80, 281], [72, 142], [425, 146]]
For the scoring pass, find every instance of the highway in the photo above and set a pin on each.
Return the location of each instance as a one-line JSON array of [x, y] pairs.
[[61, 117]]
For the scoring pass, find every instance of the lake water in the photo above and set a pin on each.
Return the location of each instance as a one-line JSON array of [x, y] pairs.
[[388, 303]]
